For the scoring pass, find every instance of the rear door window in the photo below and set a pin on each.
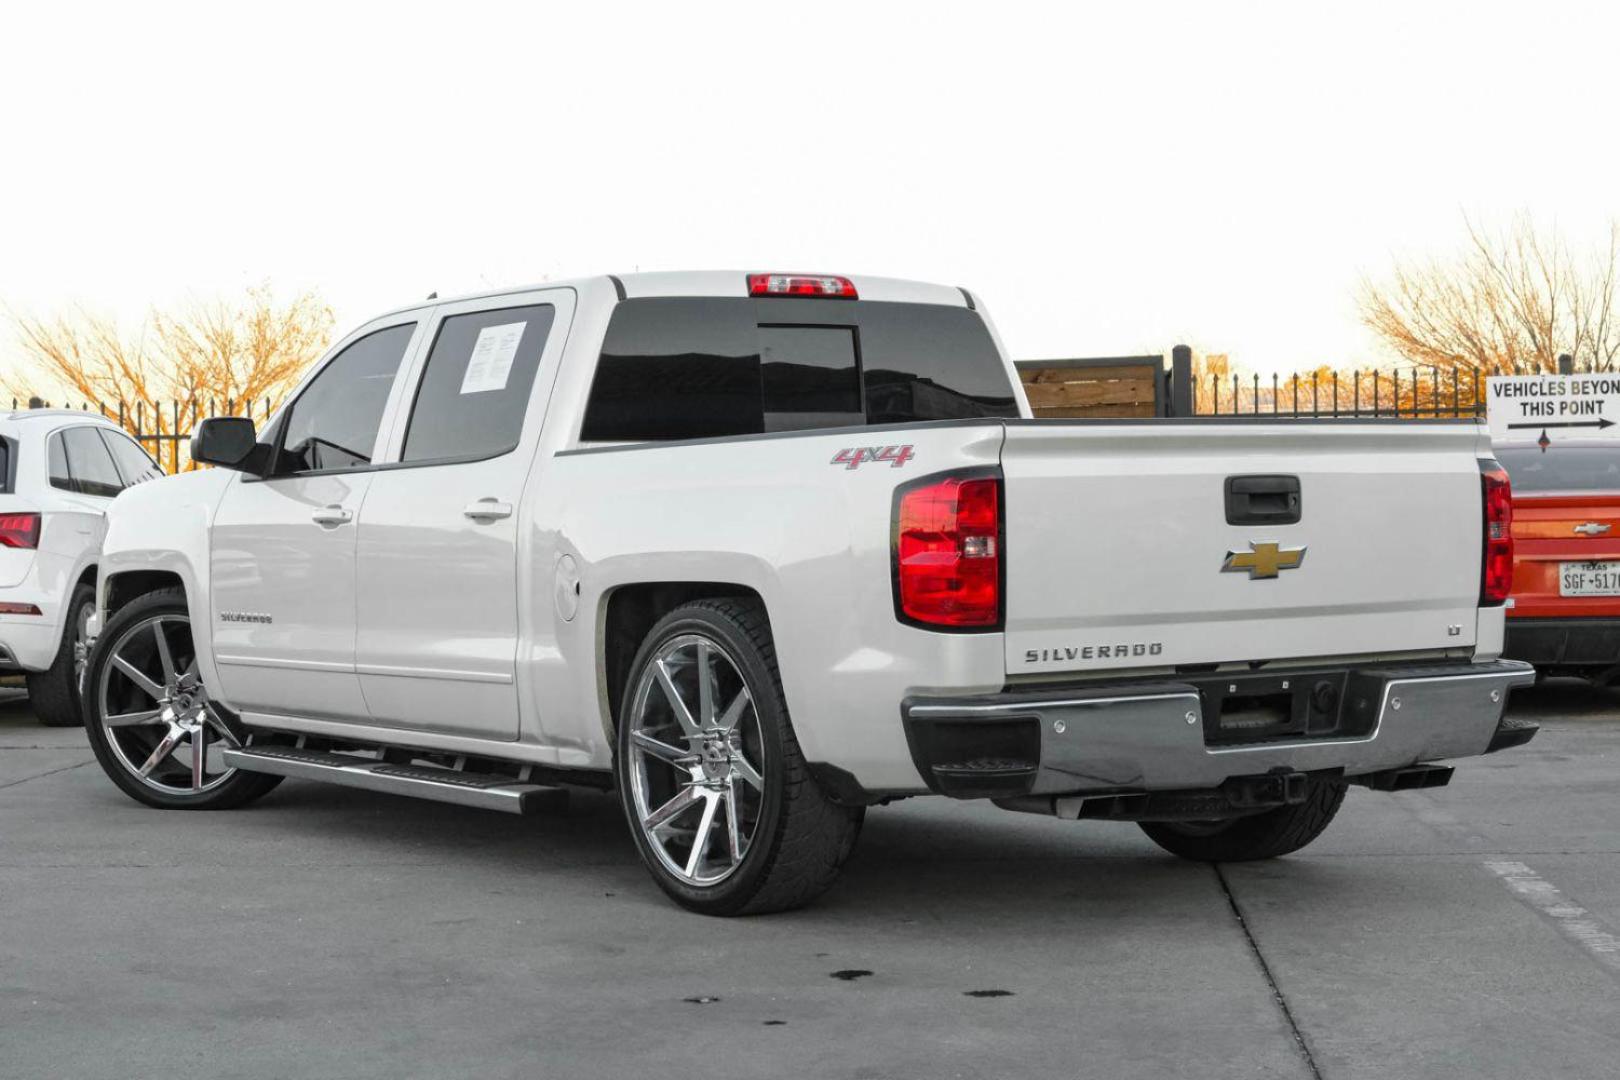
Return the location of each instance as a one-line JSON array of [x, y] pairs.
[[134, 463], [475, 389], [89, 464], [334, 422], [684, 368]]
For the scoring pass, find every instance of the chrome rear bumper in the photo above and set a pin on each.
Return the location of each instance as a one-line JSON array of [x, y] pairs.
[[1154, 736]]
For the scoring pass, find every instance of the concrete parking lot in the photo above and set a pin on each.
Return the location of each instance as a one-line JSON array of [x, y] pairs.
[[1465, 932]]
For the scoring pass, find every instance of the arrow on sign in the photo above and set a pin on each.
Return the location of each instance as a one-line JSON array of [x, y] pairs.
[[1568, 423]]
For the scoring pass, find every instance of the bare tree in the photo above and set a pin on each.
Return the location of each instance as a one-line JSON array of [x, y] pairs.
[[218, 355], [1511, 301]]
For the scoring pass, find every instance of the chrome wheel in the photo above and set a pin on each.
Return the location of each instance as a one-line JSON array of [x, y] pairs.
[[155, 712], [696, 760], [81, 645]]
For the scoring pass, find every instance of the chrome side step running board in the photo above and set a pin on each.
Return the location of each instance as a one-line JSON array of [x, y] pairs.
[[510, 794]]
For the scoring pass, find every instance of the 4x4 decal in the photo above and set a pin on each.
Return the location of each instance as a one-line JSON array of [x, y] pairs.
[[852, 457]]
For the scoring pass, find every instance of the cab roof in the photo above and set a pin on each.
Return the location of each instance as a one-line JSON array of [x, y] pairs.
[[718, 283]]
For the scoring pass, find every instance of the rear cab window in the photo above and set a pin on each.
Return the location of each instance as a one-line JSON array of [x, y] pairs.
[[1561, 468], [686, 368]]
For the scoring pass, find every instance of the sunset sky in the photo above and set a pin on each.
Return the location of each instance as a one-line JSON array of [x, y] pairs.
[[1110, 179]]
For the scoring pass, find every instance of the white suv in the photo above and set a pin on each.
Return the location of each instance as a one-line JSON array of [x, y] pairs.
[[59, 472]]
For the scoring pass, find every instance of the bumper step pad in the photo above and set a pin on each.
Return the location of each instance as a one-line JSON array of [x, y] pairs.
[[1512, 732]]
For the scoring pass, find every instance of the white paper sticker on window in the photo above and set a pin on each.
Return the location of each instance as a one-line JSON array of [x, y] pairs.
[[492, 358]]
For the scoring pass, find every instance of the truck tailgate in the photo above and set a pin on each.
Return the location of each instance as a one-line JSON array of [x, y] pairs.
[[1117, 534]]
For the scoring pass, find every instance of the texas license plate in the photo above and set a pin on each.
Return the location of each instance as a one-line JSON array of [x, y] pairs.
[[1589, 579]]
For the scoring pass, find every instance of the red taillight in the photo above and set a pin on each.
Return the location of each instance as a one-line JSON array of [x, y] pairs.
[[823, 285], [19, 609], [19, 530], [1496, 582], [947, 552]]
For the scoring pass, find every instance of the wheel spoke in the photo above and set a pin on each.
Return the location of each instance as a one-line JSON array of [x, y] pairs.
[[132, 719], [683, 715], [733, 827], [660, 749], [165, 657], [164, 748], [139, 678], [705, 681], [748, 772], [734, 711], [700, 839], [199, 757], [670, 810], [220, 727]]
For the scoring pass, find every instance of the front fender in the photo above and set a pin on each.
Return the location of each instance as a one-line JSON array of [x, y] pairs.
[[163, 527]]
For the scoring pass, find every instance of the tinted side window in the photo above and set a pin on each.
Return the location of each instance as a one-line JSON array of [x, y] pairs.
[[89, 463], [5, 465], [334, 422], [475, 389], [60, 477], [134, 463]]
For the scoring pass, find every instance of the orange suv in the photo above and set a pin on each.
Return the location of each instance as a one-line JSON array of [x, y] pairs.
[[1564, 614]]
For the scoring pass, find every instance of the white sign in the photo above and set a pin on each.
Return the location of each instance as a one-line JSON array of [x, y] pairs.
[[491, 360], [1552, 408]]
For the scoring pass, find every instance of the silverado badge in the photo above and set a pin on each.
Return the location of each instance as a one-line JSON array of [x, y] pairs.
[[1264, 559]]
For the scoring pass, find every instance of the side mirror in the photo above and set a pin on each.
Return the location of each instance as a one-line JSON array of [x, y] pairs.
[[226, 441]]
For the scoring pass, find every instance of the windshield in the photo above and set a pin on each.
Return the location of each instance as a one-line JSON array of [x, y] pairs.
[[1562, 468]]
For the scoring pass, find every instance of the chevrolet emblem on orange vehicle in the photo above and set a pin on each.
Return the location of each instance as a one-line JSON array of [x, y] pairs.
[[1264, 560]]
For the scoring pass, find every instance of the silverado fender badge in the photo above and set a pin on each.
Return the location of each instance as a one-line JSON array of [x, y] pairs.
[[1264, 560]]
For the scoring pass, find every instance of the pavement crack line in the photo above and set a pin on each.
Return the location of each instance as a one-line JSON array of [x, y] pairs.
[[1265, 970], [43, 775]]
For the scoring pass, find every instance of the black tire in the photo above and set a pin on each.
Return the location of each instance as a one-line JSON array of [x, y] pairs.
[[801, 837], [1261, 836], [235, 790], [54, 693]]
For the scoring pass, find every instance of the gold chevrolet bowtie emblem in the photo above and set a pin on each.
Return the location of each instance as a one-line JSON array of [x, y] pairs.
[[1264, 560]]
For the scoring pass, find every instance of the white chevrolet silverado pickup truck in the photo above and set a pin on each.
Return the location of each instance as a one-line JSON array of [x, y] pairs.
[[759, 551]]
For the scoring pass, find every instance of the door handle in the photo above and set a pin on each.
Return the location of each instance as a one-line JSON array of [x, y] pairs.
[[1262, 500], [332, 516], [487, 509]]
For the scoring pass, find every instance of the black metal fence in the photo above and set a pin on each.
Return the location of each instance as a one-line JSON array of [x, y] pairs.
[[164, 428], [1414, 394]]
